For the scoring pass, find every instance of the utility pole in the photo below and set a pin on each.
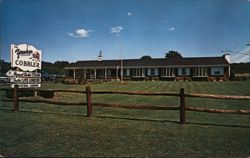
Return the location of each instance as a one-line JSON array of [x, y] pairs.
[[248, 44]]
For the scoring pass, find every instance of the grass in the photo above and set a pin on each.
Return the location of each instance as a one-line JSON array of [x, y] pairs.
[[129, 133]]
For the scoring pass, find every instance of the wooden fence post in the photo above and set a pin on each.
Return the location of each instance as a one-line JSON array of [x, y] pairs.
[[89, 101], [182, 106], [16, 101]]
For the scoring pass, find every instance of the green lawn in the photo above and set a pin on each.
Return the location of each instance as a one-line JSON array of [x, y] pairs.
[[54, 130]]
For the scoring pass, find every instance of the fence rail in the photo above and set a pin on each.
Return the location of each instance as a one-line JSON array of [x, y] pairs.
[[137, 93], [146, 107], [47, 90], [218, 110], [233, 97], [182, 108], [45, 101]]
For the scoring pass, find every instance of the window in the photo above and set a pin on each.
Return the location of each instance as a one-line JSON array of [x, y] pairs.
[[152, 72], [201, 71], [168, 72], [183, 71], [126, 72], [217, 71], [163, 72], [139, 72]]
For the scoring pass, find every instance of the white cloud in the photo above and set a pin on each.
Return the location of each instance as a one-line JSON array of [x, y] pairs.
[[171, 28], [129, 14], [80, 33], [116, 29]]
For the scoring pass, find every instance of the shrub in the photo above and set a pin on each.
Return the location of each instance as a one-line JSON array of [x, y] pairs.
[[155, 78], [46, 94], [9, 93], [147, 79]]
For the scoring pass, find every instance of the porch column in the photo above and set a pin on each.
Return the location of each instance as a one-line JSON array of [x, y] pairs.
[[65, 74], [84, 73], [95, 73], [229, 69], [74, 74], [117, 73], [105, 73]]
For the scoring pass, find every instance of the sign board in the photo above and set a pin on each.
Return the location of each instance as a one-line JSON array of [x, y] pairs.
[[26, 85], [14, 73], [26, 57], [24, 79], [26, 82]]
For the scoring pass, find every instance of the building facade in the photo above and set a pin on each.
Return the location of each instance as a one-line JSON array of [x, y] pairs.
[[147, 68]]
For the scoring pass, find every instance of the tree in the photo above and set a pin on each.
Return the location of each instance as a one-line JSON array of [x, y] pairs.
[[173, 53], [56, 68], [146, 57], [4, 67], [61, 63]]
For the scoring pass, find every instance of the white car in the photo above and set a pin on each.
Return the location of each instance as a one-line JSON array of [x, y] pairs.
[[4, 79]]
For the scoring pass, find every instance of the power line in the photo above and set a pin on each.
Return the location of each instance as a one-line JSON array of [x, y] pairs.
[[234, 52], [237, 57]]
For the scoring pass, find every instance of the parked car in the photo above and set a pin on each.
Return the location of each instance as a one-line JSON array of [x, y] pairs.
[[48, 76], [4, 79]]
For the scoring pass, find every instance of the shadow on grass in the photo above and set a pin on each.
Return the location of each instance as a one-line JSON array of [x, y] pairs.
[[170, 121], [220, 125], [130, 118], [134, 119], [43, 112]]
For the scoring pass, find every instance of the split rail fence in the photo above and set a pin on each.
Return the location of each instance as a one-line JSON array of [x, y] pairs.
[[182, 107]]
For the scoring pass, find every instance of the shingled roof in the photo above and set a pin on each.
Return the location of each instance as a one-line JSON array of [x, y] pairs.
[[154, 62]]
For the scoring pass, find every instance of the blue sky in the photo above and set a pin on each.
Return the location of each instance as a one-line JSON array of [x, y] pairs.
[[78, 29]]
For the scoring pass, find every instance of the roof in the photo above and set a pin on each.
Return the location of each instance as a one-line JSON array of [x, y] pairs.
[[153, 62]]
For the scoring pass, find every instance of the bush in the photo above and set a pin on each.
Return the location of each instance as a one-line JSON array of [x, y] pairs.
[[239, 77], [9, 93], [27, 93], [46, 94], [147, 79], [155, 78]]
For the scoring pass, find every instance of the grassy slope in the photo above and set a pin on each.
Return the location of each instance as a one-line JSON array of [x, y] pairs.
[[32, 134], [120, 132]]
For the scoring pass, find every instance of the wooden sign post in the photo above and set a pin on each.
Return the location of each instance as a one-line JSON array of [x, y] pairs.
[[89, 101], [16, 101], [182, 106]]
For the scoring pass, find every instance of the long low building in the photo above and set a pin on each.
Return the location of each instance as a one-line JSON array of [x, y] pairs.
[[147, 68]]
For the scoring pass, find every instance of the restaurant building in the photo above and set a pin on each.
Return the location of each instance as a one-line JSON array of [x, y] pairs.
[[147, 68]]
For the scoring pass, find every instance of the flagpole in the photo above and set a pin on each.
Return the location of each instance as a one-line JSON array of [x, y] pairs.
[[121, 63]]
